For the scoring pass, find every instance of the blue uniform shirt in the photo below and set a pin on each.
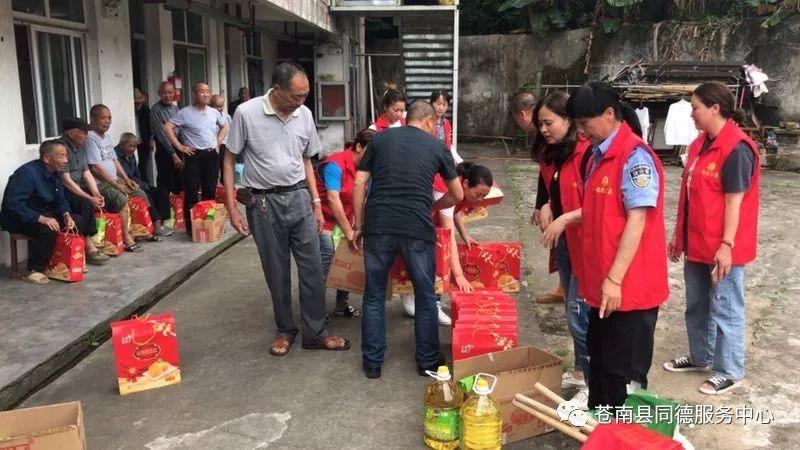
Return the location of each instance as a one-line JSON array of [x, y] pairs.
[[32, 191], [640, 182]]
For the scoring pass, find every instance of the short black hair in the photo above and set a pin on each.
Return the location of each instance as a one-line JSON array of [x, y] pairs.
[[392, 96], [74, 123], [435, 95], [97, 108], [284, 72], [594, 98], [524, 101], [49, 146]]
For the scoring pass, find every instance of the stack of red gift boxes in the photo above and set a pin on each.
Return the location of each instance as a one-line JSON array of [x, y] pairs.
[[483, 322]]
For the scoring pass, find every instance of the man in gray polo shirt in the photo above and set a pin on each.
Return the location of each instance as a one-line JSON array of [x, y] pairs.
[[276, 136]]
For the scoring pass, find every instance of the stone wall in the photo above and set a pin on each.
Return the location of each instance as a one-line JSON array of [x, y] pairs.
[[493, 68]]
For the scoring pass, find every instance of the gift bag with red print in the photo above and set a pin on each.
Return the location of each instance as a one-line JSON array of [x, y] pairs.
[[492, 265], [113, 244], [67, 261], [146, 352], [401, 280], [480, 338], [219, 195], [176, 211], [141, 223]]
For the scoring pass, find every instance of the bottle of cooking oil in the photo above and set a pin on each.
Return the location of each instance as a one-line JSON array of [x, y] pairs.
[[443, 400], [481, 417]]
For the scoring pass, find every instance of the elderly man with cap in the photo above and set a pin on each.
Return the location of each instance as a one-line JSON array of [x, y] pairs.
[[80, 186], [34, 205]]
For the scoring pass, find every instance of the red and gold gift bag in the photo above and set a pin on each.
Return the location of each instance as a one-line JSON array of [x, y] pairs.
[[219, 195], [146, 352], [113, 244], [141, 223], [176, 204], [492, 265], [401, 280], [68, 260]]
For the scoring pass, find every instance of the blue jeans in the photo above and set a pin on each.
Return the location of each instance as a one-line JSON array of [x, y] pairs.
[[715, 319], [576, 309], [326, 251], [379, 254]]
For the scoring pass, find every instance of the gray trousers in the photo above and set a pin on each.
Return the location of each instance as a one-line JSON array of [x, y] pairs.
[[281, 223]]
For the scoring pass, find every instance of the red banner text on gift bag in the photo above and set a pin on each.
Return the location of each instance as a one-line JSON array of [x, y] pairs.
[[141, 223], [146, 353], [492, 265], [113, 244], [67, 261], [401, 279], [176, 203]]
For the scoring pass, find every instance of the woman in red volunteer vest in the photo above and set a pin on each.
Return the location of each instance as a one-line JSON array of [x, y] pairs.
[[394, 108], [716, 232], [562, 151], [476, 181], [623, 269], [335, 187], [440, 100]]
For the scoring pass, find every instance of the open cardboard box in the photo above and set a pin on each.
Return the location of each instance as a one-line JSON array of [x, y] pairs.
[[517, 372], [52, 427]]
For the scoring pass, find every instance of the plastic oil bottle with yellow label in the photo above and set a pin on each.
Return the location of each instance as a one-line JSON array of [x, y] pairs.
[[481, 417], [443, 401]]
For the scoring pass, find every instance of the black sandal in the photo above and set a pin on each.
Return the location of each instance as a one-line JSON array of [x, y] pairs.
[[134, 248], [154, 238], [350, 312]]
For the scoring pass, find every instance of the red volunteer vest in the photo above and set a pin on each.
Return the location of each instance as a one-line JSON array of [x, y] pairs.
[[383, 123], [448, 134], [645, 284], [702, 183], [570, 183], [343, 159]]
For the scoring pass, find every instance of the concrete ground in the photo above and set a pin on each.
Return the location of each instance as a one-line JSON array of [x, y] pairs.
[[47, 328], [235, 396]]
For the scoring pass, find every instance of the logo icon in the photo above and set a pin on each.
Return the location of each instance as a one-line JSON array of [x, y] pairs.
[[569, 412]]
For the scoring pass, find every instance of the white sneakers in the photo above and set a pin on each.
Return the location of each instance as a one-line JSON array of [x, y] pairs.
[[581, 399], [408, 306], [568, 381]]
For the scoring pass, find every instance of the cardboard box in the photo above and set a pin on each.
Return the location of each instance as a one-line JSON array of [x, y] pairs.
[[52, 427], [517, 371], [207, 228], [347, 269]]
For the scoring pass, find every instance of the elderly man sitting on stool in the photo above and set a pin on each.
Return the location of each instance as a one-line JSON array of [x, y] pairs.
[[34, 205]]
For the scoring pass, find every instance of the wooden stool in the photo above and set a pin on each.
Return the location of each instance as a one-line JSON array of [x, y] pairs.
[[14, 263]]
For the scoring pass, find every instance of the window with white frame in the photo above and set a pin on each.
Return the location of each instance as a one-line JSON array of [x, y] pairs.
[[51, 64], [68, 10], [188, 35]]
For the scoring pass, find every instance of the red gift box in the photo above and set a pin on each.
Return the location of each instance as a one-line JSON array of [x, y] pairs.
[[628, 436], [67, 260], [474, 340], [481, 300], [401, 281], [494, 196], [141, 223], [146, 352], [492, 265], [176, 203]]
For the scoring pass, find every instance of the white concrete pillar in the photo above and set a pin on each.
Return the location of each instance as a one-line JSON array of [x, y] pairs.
[[222, 64], [158, 44], [13, 152], [238, 66], [111, 36], [213, 59], [269, 51]]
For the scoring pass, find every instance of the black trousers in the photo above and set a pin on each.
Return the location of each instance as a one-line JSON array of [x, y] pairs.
[[200, 171], [620, 351], [143, 155], [169, 178], [82, 212], [159, 202]]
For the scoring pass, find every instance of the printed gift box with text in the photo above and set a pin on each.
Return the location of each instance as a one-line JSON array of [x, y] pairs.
[[141, 223], [481, 299], [208, 221], [483, 322], [401, 280], [176, 206], [146, 352], [492, 265], [477, 339], [67, 261]]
